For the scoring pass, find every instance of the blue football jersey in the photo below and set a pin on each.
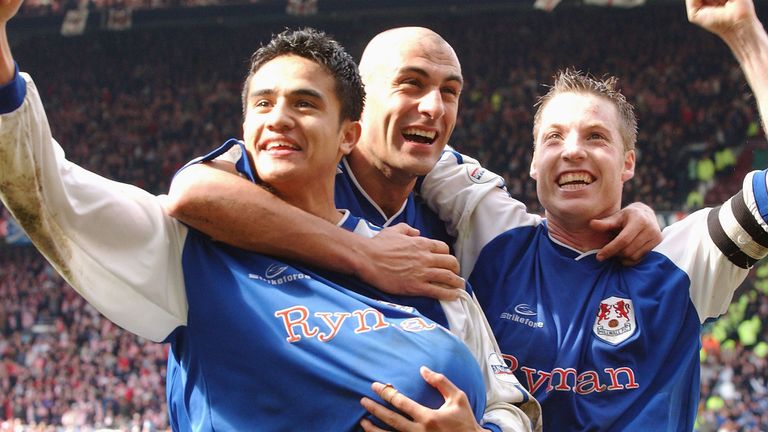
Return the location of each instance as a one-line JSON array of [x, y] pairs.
[[603, 347], [264, 335], [351, 196], [600, 345]]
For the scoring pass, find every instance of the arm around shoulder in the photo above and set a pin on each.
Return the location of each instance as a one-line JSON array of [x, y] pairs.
[[233, 210]]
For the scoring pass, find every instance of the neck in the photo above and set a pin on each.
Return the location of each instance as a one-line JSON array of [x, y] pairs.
[[577, 234], [387, 187], [312, 198]]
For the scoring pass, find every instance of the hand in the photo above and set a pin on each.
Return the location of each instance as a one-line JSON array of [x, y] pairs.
[[401, 262], [639, 233], [454, 416], [721, 16]]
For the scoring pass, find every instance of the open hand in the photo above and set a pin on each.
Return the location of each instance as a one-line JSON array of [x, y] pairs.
[[454, 416]]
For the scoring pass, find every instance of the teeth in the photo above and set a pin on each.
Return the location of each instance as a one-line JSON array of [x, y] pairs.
[[575, 177], [420, 132], [280, 144]]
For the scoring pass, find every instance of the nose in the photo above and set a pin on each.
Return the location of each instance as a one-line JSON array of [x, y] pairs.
[[280, 118], [431, 104], [573, 148]]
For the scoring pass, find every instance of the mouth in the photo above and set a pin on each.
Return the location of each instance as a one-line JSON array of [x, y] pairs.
[[575, 180], [278, 145], [420, 136]]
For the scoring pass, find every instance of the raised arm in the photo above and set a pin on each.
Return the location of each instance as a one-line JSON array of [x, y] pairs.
[[736, 23], [233, 210], [737, 230], [111, 241], [8, 9]]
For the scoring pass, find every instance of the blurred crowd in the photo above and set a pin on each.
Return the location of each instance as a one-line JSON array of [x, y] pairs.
[[61, 363], [136, 105], [59, 7]]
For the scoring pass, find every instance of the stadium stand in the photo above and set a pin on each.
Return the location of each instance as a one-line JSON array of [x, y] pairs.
[[135, 105]]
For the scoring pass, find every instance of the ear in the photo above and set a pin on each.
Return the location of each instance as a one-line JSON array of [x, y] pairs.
[[350, 135], [629, 166], [533, 172]]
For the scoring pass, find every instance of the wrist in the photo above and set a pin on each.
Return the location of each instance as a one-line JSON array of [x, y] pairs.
[[744, 39], [358, 257]]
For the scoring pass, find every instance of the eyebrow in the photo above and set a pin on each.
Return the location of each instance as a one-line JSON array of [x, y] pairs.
[[425, 74], [296, 92]]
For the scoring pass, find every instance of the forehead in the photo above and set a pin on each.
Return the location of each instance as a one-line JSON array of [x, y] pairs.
[[426, 54], [580, 109], [292, 72]]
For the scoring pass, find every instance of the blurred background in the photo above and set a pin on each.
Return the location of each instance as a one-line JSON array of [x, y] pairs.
[[135, 88]]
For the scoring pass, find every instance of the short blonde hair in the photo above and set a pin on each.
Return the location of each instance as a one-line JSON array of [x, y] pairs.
[[574, 81]]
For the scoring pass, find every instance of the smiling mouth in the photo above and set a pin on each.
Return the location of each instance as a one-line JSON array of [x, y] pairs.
[[280, 145], [419, 135], [575, 180]]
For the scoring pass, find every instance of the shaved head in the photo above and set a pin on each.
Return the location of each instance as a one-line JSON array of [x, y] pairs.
[[412, 80], [386, 48]]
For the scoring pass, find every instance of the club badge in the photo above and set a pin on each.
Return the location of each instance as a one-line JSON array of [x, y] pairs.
[[615, 321]]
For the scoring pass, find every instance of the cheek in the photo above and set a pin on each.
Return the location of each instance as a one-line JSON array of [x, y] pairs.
[[399, 105], [249, 127]]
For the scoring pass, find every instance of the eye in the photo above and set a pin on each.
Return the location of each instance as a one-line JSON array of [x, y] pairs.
[[597, 136], [553, 136], [412, 82], [450, 93], [261, 103], [305, 104], [449, 90]]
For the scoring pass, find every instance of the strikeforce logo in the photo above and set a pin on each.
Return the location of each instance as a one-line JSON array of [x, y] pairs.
[[523, 314], [273, 275]]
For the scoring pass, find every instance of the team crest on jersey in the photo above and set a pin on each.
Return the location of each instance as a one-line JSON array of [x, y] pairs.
[[615, 321]]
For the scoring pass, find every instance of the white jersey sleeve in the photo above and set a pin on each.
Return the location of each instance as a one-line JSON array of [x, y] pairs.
[[111, 241], [474, 204], [716, 247], [508, 404]]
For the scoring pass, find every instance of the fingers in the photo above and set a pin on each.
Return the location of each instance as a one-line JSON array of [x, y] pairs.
[[439, 247], [611, 223], [368, 426], [638, 233], [455, 414], [443, 260], [442, 280], [721, 17], [441, 383], [405, 229], [618, 246], [402, 263], [386, 392], [620, 241], [390, 395], [632, 257]]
